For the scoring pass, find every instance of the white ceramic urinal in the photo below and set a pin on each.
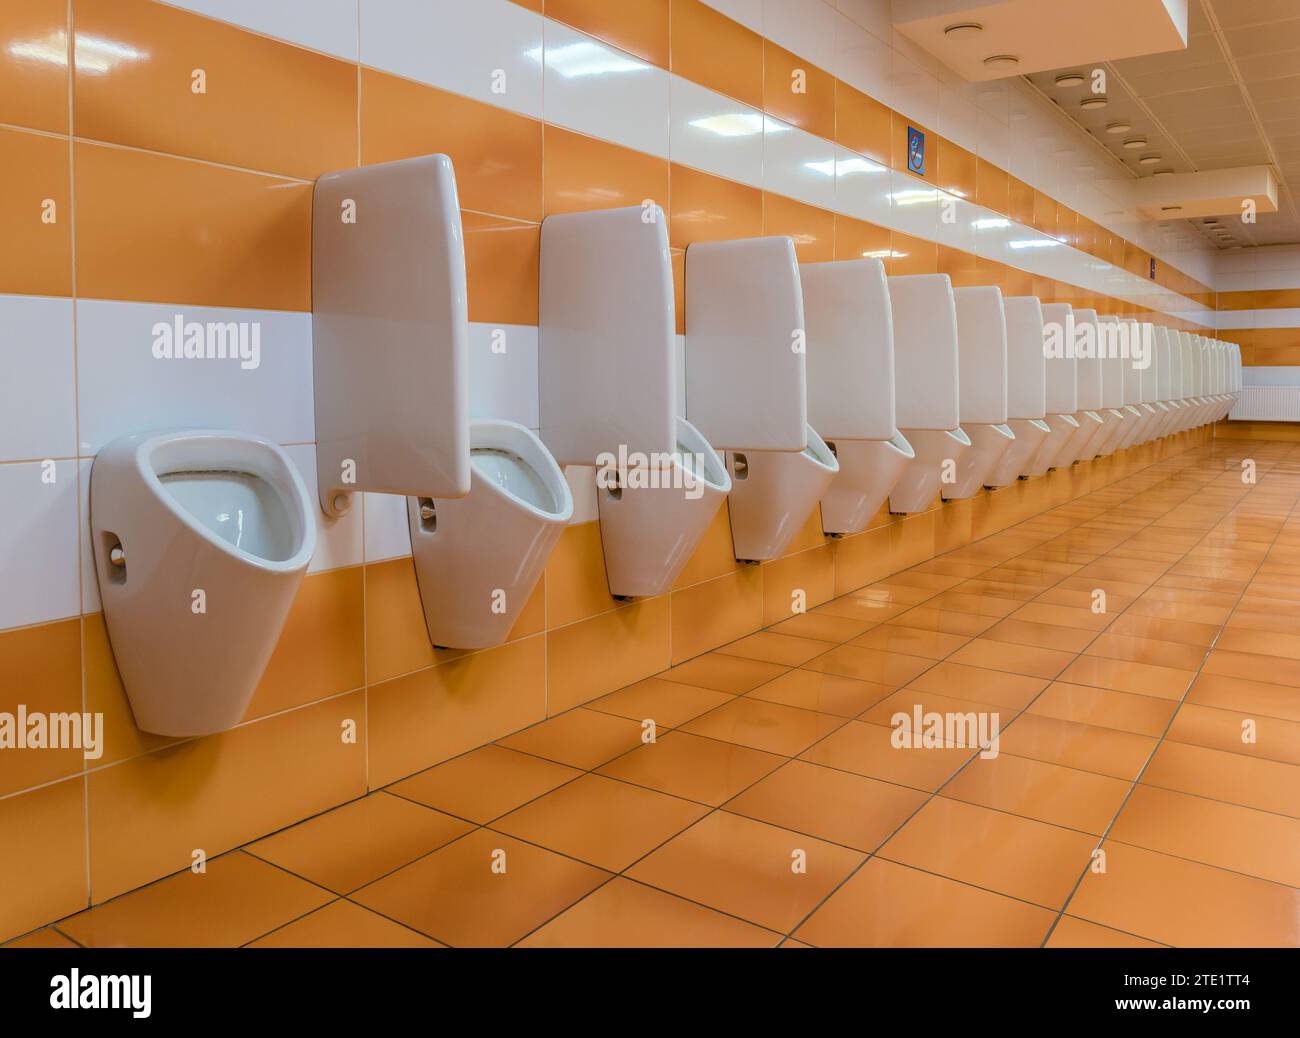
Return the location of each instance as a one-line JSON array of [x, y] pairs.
[[1116, 415], [1155, 382], [1082, 446], [478, 558], [1135, 343], [1026, 388], [770, 491], [607, 384], [1061, 386], [201, 539], [982, 385], [746, 386], [651, 518], [926, 391], [850, 376]]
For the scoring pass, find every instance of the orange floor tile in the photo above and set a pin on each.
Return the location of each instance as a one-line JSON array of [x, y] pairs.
[[1144, 789]]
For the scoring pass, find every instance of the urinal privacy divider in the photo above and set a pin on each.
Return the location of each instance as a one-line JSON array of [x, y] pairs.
[[608, 387], [390, 331]]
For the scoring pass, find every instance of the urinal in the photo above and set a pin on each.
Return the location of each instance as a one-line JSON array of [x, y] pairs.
[[1061, 386], [869, 470], [1118, 419], [1082, 445], [478, 557], [651, 519], [850, 376], [982, 385], [201, 539], [1026, 389], [926, 387], [773, 493], [1135, 340], [746, 386]]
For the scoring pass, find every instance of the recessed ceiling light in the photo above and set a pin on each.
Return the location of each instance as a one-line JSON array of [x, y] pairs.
[[1002, 61], [1096, 101], [1135, 142], [1119, 127], [1162, 173], [963, 30], [1171, 208], [1149, 160], [1070, 79]]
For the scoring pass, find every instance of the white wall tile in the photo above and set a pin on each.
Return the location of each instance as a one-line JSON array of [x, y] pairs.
[[915, 91], [862, 188], [503, 384], [748, 13], [38, 525], [463, 47], [915, 206], [125, 389], [599, 90], [873, 15], [388, 534], [338, 541], [798, 164], [803, 27], [714, 133], [324, 25], [863, 61], [38, 398]]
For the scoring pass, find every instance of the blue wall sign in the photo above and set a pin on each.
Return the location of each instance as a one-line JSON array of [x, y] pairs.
[[915, 151]]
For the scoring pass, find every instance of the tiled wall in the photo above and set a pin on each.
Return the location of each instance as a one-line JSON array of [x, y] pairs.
[[129, 197], [1259, 307]]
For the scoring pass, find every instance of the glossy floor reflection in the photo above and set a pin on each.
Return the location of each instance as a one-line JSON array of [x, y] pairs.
[[1140, 646]]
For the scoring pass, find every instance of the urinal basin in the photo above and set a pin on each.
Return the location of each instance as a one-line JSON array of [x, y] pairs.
[[1092, 427], [1137, 423], [1060, 428], [200, 541], [937, 451], [773, 493], [989, 444], [648, 529], [868, 471], [1030, 434], [479, 557], [1118, 422]]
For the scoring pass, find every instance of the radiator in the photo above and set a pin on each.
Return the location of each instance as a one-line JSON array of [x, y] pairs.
[[1268, 404]]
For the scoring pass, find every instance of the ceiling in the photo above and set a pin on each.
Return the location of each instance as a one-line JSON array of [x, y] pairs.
[[1231, 98]]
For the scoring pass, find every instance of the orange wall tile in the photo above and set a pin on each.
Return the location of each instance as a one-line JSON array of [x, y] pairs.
[[605, 652], [42, 670], [34, 89], [639, 27], [709, 208], [812, 229], [797, 91], [710, 49], [43, 856], [501, 268], [37, 257], [497, 154], [715, 612], [263, 106], [582, 173], [162, 229]]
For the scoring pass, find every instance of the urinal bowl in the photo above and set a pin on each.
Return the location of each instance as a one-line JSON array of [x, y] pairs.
[[1083, 445], [1137, 420], [649, 527], [989, 444], [1030, 434], [773, 493], [868, 471], [1117, 422], [200, 541], [1060, 428], [923, 477], [478, 557]]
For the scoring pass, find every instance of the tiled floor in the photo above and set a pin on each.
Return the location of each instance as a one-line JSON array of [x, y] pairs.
[[1147, 789]]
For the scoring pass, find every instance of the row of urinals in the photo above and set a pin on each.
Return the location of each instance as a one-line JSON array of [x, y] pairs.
[[802, 387]]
